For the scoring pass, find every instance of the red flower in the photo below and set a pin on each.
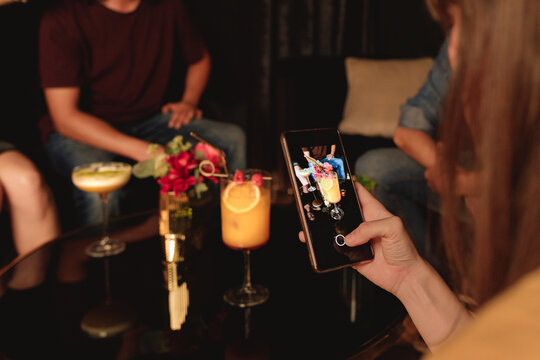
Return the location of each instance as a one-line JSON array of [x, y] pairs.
[[180, 176], [182, 164], [210, 153], [176, 184]]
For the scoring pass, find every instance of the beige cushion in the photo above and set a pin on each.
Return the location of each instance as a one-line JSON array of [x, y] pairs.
[[376, 90]]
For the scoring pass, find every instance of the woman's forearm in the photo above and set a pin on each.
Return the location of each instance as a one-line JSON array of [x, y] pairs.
[[5, 2], [435, 310]]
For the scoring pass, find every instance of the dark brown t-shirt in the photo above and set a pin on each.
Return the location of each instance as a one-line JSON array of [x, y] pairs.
[[121, 62], [317, 152]]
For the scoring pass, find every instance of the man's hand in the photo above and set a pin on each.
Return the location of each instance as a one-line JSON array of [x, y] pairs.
[[433, 174], [181, 113], [434, 177], [332, 151]]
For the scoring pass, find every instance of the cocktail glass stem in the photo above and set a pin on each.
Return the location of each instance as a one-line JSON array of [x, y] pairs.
[[105, 246], [336, 213], [248, 294], [311, 188], [247, 272], [105, 206]]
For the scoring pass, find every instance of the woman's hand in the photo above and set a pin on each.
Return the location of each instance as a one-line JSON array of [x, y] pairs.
[[181, 113], [398, 268], [395, 254]]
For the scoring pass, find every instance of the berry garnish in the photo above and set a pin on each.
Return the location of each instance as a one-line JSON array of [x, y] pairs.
[[257, 179], [238, 177]]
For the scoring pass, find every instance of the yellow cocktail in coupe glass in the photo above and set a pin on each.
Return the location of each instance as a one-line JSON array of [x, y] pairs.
[[329, 186], [245, 226], [102, 178]]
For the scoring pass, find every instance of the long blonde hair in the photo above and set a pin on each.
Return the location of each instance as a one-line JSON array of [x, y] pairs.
[[493, 112]]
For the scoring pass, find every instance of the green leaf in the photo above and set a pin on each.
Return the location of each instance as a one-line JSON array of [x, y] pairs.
[[200, 188], [176, 145], [143, 169], [161, 167], [152, 148], [367, 182]]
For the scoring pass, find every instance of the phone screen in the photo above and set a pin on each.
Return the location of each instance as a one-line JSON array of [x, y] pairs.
[[325, 196]]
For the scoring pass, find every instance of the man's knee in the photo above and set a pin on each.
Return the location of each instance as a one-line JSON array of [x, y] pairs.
[[373, 164], [22, 178], [235, 134]]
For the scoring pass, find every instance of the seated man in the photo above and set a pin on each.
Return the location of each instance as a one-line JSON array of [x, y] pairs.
[[399, 173], [322, 154], [106, 68]]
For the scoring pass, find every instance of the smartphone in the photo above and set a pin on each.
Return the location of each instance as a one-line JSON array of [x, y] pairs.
[[325, 197]]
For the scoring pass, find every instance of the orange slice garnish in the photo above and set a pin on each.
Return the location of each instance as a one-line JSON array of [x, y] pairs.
[[241, 198], [327, 183]]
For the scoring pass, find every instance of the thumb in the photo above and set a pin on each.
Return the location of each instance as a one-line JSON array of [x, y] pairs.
[[167, 108], [382, 228]]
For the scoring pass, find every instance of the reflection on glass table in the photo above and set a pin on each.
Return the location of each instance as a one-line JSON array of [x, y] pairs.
[[45, 321]]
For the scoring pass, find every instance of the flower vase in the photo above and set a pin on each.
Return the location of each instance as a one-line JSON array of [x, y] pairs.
[[175, 214]]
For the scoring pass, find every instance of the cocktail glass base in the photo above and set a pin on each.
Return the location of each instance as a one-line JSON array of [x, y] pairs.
[[247, 297], [337, 213], [108, 320], [105, 247], [316, 203]]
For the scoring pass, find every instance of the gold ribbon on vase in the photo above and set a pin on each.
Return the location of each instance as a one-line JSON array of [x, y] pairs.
[[178, 297], [175, 219]]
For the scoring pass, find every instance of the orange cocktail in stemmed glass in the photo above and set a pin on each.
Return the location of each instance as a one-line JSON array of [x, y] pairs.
[[329, 186], [245, 218]]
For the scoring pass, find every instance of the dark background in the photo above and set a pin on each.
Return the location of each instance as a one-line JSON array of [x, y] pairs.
[[255, 45], [277, 65]]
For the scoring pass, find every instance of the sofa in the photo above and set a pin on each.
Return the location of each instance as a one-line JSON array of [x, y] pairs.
[[361, 97]]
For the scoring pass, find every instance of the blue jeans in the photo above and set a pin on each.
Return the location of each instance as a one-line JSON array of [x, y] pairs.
[[337, 166], [66, 153], [401, 188]]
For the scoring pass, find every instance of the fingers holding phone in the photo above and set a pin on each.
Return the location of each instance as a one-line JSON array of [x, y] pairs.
[[395, 253]]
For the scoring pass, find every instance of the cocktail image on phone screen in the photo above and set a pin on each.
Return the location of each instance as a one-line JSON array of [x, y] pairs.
[[325, 197], [328, 172]]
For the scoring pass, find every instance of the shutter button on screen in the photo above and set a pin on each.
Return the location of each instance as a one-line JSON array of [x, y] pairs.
[[340, 240]]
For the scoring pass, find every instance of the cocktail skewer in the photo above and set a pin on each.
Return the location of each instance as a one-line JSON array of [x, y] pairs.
[[216, 148], [212, 172]]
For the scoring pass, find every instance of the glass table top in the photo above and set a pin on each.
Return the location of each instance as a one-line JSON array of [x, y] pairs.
[[120, 307]]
